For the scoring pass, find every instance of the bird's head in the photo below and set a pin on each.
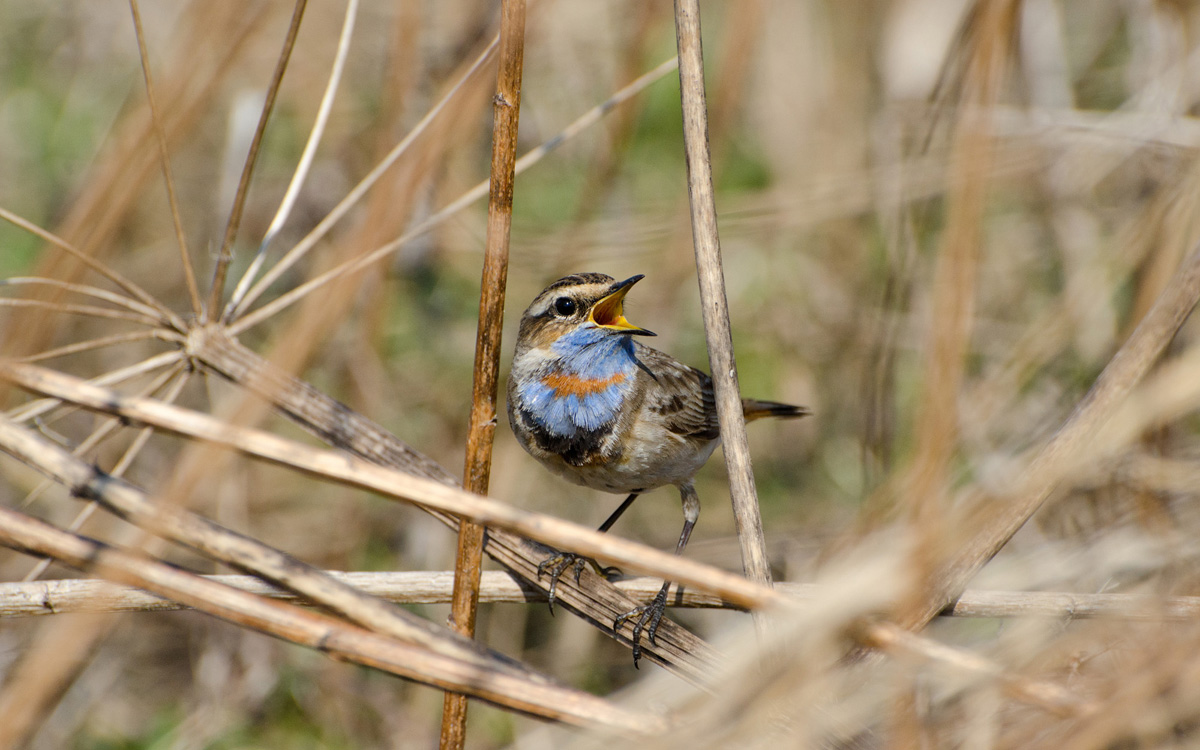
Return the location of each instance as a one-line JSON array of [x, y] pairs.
[[583, 302]]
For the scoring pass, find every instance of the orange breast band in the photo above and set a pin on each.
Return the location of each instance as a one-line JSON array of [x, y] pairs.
[[571, 385]]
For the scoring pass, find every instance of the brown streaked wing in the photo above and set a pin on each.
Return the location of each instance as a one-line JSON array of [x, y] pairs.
[[684, 398]]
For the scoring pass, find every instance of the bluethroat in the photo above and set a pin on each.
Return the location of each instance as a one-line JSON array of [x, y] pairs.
[[603, 410]]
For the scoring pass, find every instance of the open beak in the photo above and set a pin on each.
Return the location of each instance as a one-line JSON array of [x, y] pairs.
[[607, 312]]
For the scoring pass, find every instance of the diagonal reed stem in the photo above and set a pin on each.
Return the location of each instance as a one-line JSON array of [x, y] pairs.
[[225, 256], [303, 166]]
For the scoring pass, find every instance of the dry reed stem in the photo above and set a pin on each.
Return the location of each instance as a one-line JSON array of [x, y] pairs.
[[79, 595], [321, 632], [714, 303], [171, 383], [122, 283], [468, 563], [59, 654], [153, 313], [954, 281], [34, 409], [90, 311], [87, 482], [104, 342]]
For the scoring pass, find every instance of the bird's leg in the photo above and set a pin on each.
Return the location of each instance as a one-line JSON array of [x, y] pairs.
[[650, 615], [556, 565]]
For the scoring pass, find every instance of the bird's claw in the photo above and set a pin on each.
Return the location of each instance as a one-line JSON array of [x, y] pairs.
[[648, 618], [558, 564]]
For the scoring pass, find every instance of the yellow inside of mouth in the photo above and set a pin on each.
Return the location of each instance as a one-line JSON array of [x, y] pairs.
[[609, 313]]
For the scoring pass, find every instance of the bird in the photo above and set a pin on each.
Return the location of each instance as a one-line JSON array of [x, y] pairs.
[[601, 409]]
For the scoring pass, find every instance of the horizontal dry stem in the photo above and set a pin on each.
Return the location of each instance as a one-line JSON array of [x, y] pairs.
[[75, 595]]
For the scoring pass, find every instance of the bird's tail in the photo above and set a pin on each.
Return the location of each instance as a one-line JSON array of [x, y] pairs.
[[755, 409]]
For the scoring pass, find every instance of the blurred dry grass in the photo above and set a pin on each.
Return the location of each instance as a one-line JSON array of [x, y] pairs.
[[939, 272]]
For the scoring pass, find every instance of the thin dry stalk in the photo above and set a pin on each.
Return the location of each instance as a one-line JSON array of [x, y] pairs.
[[171, 382], [103, 342], [925, 486], [240, 321], [225, 255], [477, 471], [306, 158], [126, 285], [71, 309], [352, 197], [215, 36], [714, 303], [59, 654], [164, 156], [954, 283], [85, 290], [35, 409]]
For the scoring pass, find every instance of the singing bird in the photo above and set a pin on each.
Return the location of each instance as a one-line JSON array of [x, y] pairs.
[[603, 410]]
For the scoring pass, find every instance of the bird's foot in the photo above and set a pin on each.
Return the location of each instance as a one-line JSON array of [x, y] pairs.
[[558, 564], [648, 617]]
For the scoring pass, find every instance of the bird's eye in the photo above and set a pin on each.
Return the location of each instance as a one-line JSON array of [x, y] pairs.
[[564, 306]]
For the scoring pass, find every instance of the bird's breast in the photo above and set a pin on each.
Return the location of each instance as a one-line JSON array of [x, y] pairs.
[[566, 403]]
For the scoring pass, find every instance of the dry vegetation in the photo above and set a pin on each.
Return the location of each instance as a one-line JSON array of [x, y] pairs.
[[961, 231]]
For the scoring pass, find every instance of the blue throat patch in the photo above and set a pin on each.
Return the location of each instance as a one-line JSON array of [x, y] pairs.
[[585, 354]]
